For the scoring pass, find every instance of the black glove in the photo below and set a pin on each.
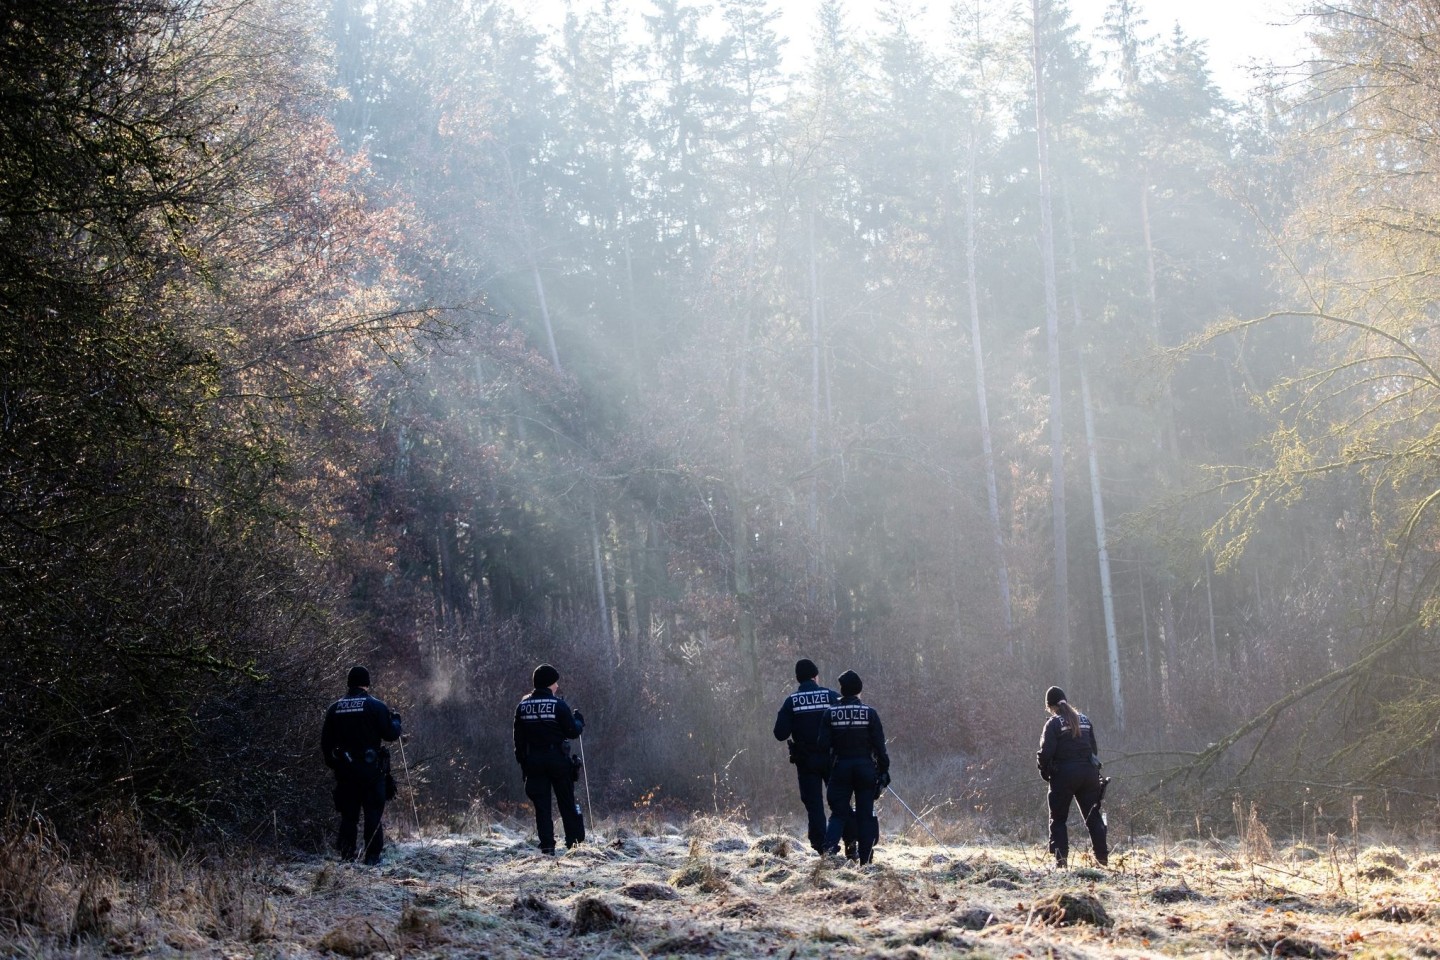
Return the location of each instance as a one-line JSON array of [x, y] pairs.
[[394, 716], [579, 717], [883, 780]]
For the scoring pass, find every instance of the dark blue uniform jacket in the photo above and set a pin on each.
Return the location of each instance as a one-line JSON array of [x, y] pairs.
[[1059, 748], [355, 725], [543, 722], [853, 729], [803, 714]]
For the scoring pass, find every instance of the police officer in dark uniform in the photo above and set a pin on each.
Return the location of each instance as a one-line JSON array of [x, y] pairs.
[[856, 741], [544, 725], [1069, 760], [799, 721], [350, 742]]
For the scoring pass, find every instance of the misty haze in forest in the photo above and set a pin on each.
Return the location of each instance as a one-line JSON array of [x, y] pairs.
[[974, 361]]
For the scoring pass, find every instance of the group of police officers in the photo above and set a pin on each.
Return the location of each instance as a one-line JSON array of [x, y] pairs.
[[836, 742]]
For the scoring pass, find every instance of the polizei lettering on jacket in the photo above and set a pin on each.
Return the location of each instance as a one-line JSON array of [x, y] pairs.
[[805, 701], [350, 705], [850, 716], [537, 711]]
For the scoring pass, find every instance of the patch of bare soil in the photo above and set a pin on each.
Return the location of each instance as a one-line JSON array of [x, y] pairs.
[[712, 889]]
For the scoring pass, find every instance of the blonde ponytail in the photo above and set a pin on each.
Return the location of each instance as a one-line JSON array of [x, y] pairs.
[[1070, 716]]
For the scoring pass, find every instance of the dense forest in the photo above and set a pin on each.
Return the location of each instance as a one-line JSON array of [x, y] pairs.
[[424, 336]]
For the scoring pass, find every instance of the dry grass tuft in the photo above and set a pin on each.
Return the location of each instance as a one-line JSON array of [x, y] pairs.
[[1066, 909], [232, 904], [533, 909], [986, 869], [890, 894], [593, 915], [645, 891], [710, 829], [355, 937], [1384, 857], [92, 911], [33, 873], [919, 937], [1274, 943], [973, 918], [1255, 844], [775, 875], [1175, 894], [688, 945], [775, 844], [1396, 913], [741, 910], [330, 876], [700, 872], [421, 927]]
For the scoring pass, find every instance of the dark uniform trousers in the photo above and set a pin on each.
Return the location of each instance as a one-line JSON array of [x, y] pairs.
[[547, 770], [351, 797], [810, 771], [1077, 781], [853, 777]]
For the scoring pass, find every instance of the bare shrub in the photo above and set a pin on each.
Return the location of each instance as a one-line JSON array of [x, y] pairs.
[[1254, 838], [34, 866]]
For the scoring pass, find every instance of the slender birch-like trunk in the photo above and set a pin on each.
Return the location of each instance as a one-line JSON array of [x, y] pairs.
[[1097, 499], [1167, 415], [1060, 626], [997, 534]]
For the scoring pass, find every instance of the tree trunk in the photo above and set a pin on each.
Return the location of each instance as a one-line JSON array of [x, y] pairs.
[[813, 514], [1167, 415], [1060, 626], [1210, 615], [1107, 598], [997, 530], [739, 507], [522, 231], [600, 598], [1097, 499], [1145, 635]]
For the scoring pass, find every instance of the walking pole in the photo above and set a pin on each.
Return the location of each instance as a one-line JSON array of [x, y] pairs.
[[585, 771], [915, 815], [409, 788]]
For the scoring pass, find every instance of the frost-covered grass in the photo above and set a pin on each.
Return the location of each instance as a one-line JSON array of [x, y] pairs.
[[709, 887]]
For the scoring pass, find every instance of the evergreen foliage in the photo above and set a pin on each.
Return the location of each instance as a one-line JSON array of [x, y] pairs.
[[742, 362]]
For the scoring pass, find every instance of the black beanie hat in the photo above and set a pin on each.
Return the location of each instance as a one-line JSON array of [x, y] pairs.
[[1053, 696], [850, 684], [358, 677], [805, 669], [545, 675]]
